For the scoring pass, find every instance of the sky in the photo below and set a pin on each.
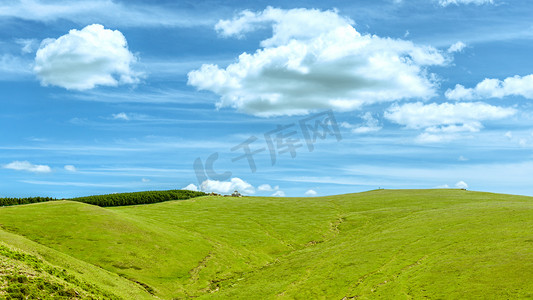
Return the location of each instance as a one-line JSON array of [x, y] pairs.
[[271, 98]]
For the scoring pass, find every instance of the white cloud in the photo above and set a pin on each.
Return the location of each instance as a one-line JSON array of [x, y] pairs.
[[420, 115], [462, 158], [461, 185], [28, 45], [145, 180], [310, 193], [522, 142], [70, 168], [265, 188], [84, 59], [101, 11], [457, 47], [287, 25], [14, 66], [494, 88], [509, 135], [27, 166], [370, 124], [278, 194], [458, 2], [227, 187], [444, 186], [444, 122], [472, 126], [425, 138], [121, 116], [315, 60], [191, 187]]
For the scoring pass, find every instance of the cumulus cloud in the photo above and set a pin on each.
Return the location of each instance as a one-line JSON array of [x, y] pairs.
[[494, 88], [461, 185], [310, 193], [278, 194], [443, 122], [191, 187], [458, 2], [287, 25], [457, 47], [315, 60], [70, 168], [84, 59], [370, 124], [27, 166], [226, 187]]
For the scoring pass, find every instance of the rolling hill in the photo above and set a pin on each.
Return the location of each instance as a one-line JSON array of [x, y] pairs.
[[396, 244]]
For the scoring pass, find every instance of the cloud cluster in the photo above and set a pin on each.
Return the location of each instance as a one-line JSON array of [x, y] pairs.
[[315, 60], [442, 122], [227, 187], [84, 59], [235, 184], [494, 88], [268, 188], [27, 166]]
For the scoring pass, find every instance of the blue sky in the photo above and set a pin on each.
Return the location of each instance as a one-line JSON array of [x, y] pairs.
[[108, 96]]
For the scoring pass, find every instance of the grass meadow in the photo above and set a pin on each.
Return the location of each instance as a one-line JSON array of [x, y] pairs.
[[390, 244]]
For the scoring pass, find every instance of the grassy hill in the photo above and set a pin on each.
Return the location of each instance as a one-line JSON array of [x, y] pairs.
[[394, 244]]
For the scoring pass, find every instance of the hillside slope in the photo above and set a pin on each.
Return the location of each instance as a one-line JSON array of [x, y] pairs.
[[388, 243]]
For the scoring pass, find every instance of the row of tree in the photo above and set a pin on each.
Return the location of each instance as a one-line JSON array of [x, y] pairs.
[[114, 199], [15, 201], [138, 197]]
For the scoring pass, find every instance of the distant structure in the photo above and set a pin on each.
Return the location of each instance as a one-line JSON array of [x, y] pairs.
[[236, 194], [213, 194]]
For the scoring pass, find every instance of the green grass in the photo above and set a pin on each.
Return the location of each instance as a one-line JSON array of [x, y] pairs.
[[395, 244]]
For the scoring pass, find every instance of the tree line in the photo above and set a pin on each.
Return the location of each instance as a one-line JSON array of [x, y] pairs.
[[28, 200], [119, 199], [138, 197]]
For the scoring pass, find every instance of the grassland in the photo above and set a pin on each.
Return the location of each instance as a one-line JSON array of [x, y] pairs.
[[392, 244]]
